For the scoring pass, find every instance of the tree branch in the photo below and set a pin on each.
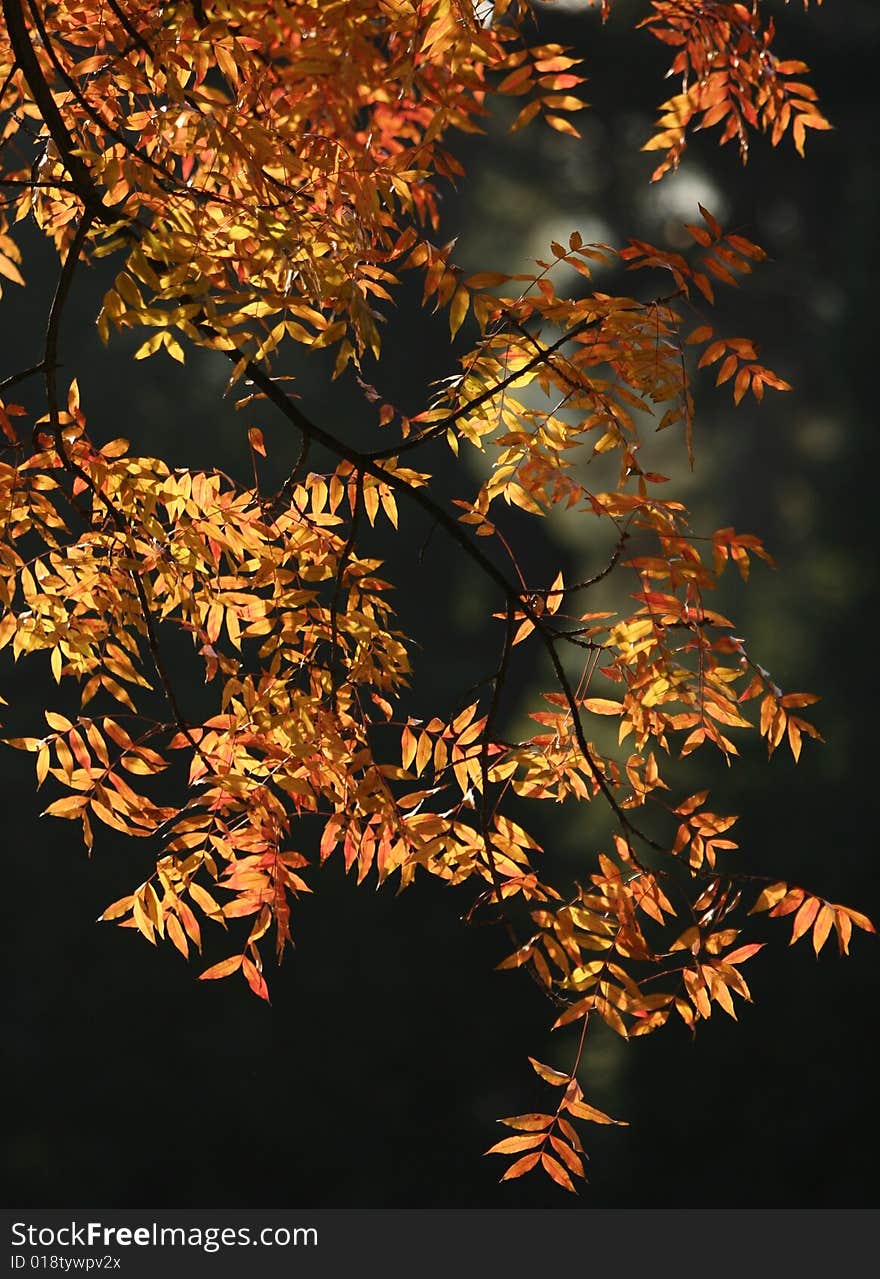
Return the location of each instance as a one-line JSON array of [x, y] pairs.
[[84, 187], [366, 463], [438, 428]]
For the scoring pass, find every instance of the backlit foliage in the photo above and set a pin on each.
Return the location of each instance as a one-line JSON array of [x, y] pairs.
[[730, 77], [262, 176]]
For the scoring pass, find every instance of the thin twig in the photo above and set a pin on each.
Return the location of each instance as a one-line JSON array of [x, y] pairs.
[[15, 378], [439, 428], [80, 176]]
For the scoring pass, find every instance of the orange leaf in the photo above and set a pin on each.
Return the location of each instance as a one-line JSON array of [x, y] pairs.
[[223, 969], [743, 953], [701, 334], [511, 1145], [254, 978], [528, 1123], [822, 927], [521, 1166], [567, 1155], [557, 1172], [713, 224], [602, 706], [804, 918], [117, 908], [860, 921]]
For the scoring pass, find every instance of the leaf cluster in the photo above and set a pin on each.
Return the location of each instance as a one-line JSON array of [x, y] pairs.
[[264, 176]]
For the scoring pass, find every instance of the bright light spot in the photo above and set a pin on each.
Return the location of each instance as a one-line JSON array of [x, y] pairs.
[[559, 228], [678, 194]]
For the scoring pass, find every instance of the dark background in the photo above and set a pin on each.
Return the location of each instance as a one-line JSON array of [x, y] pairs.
[[391, 1045]]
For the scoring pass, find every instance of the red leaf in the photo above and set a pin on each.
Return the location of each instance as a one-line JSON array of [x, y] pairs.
[[740, 955], [254, 979]]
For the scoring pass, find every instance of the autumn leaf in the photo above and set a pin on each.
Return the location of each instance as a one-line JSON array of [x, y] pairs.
[[521, 1166], [510, 1145], [547, 1073], [581, 1110], [223, 969]]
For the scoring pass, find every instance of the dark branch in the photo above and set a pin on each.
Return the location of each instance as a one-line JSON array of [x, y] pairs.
[[80, 177], [439, 428]]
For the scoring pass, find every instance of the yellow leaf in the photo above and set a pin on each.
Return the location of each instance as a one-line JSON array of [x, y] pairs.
[[581, 1110], [117, 908], [822, 927], [173, 347], [10, 270], [458, 309], [552, 1076], [149, 347], [528, 1123], [177, 935], [204, 899], [769, 897], [70, 806], [424, 752], [561, 125], [43, 759]]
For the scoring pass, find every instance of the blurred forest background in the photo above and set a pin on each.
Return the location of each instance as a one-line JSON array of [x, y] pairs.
[[392, 1045]]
